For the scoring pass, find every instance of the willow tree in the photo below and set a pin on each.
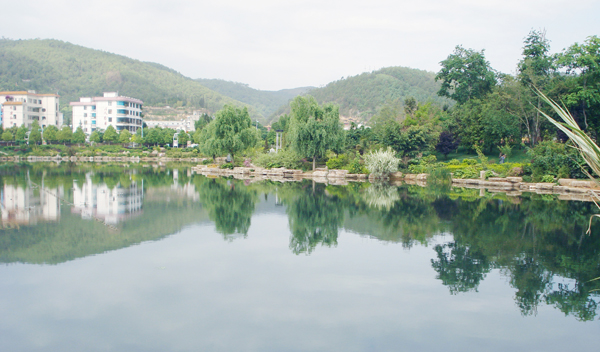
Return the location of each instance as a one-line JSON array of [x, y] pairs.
[[314, 129], [231, 131]]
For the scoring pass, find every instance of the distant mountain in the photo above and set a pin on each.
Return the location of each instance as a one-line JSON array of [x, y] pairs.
[[73, 71], [264, 101], [363, 95]]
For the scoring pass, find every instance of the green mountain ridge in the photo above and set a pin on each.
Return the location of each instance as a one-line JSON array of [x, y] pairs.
[[264, 101], [73, 71], [363, 95]]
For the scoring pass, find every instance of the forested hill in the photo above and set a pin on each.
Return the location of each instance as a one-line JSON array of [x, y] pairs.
[[265, 102], [50, 66], [363, 95]]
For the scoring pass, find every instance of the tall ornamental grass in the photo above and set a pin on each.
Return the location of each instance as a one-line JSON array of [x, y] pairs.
[[589, 150], [382, 162]]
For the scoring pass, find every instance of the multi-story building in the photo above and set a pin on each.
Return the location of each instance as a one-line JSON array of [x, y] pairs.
[[93, 113], [24, 107]]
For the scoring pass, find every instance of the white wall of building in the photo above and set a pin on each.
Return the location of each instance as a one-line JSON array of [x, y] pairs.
[[23, 108], [93, 113]]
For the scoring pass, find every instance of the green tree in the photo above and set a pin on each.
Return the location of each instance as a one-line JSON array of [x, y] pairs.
[[204, 120], [535, 69], [21, 133], [7, 136], [65, 135], [35, 136], [51, 134], [153, 136], [465, 74], [79, 136], [124, 136], [110, 135], [96, 137], [314, 129], [183, 138], [232, 130], [582, 64], [207, 140]]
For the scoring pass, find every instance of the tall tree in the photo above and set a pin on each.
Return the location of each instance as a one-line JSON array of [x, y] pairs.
[[51, 134], [79, 136], [232, 130], [535, 69], [110, 135], [65, 135], [314, 129], [96, 137], [35, 136], [124, 136], [582, 63], [465, 74]]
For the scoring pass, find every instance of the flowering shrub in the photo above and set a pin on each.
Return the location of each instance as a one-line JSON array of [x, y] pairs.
[[382, 162]]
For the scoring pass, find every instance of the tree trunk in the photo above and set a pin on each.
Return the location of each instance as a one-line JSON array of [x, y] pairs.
[[314, 160]]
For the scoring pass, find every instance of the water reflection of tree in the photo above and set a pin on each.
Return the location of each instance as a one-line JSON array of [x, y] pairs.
[[381, 195], [314, 218], [537, 244], [460, 267], [229, 204]]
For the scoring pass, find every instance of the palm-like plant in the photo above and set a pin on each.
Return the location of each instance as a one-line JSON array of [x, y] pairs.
[[589, 150]]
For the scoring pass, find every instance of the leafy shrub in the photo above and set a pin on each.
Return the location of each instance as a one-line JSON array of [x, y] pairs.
[[227, 166], [381, 163], [469, 161], [357, 168], [548, 179], [468, 172], [453, 162], [207, 161], [553, 158], [337, 162], [283, 158]]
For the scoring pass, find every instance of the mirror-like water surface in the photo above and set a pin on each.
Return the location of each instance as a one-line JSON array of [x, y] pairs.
[[118, 258]]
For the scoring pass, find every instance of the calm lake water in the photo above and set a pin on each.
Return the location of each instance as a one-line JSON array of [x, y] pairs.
[[133, 258]]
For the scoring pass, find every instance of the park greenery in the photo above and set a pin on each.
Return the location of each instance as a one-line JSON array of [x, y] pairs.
[[479, 114]]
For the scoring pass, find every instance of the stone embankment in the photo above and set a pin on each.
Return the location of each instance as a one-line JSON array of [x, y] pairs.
[[321, 175]]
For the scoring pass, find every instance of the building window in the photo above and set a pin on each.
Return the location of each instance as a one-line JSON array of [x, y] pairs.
[[110, 119], [84, 115], [110, 103], [84, 107], [109, 111]]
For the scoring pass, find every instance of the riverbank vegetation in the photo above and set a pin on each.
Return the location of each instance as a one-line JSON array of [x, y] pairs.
[[496, 124]]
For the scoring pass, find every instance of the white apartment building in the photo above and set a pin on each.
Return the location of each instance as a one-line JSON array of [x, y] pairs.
[[93, 113], [20, 108]]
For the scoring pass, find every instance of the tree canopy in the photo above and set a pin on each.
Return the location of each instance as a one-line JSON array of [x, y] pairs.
[[314, 129]]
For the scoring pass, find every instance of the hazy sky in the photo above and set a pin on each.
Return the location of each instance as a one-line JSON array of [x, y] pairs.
[[284, 44]]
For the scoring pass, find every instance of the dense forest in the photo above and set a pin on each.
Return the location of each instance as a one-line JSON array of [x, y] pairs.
[[72, 71], [264, 101], [364, 95]]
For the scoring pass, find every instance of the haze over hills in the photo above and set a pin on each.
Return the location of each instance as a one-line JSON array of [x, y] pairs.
[[264, 101], [74, 71]]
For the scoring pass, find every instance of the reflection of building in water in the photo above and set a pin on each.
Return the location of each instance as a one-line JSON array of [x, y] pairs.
[[27, 206], [101, 202]]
